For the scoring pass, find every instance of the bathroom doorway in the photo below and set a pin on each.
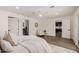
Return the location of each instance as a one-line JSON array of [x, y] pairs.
[[58, 29], [26, 27]]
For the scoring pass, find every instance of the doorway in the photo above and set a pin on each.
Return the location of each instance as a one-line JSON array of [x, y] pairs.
[[13, 25], [58, 29], [26, 27]]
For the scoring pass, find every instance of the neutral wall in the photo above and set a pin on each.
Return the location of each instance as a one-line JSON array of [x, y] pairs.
[[49, 25], [32, 29], [75, 27], [71, 27], [4, 21]]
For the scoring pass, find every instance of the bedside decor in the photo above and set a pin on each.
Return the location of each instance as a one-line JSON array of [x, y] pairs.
[[44, 32]]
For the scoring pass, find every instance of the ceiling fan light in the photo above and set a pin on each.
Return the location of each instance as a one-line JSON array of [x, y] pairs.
[[17, 7], [40, 15], [52, 6]]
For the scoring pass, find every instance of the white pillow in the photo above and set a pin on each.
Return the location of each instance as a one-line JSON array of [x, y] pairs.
[[1, 35], [10, 37], [2, 32], [6, 46], [14, 38]]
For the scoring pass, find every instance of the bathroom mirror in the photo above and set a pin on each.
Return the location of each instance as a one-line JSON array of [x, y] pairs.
[[26, 27]]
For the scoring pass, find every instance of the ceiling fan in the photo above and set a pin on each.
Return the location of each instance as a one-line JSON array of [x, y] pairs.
[[51, 6]]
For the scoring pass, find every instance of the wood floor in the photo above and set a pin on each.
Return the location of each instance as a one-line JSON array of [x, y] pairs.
[[66, 43]]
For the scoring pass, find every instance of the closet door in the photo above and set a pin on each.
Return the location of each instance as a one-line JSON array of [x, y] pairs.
[[13, 25], [66, 28]]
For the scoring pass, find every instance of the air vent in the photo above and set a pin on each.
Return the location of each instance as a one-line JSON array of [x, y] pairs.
[[51, 6]]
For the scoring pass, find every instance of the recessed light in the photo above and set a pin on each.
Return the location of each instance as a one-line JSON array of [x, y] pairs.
[[17, 7], [40, 15]]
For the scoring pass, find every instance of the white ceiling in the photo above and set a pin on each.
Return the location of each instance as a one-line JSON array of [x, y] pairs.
[[44, 11]]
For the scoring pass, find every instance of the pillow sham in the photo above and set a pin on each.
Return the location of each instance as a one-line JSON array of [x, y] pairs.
[[10, 37], [6, 46], [14, 38], [2, 32]]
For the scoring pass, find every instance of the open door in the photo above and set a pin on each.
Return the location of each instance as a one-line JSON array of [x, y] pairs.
[[13, 25], [66, 28]]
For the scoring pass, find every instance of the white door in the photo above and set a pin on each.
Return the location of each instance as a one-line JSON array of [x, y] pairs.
[[66, 28], [13, 25]]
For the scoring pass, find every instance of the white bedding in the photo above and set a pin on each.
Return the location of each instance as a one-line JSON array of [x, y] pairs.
[[19, 49], [31, 44], [34, 44]]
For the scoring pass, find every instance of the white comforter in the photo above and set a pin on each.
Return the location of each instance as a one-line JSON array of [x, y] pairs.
[[34, 44], [19, 49]]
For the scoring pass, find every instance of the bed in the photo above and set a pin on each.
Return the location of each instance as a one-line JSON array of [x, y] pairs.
[[27, 44], [34, 44], [31, 44]]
